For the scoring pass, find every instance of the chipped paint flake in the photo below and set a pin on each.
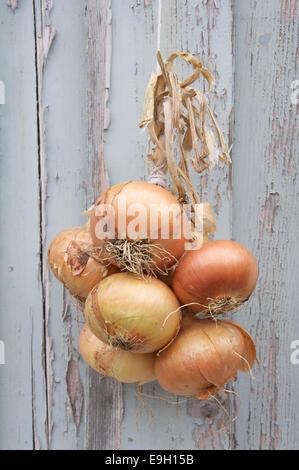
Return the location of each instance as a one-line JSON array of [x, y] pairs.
[[75, 391], [269, 210], [13, 4]]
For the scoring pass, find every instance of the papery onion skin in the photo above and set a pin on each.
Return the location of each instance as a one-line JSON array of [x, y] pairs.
[[146, 194], [123, 366], [132, 313], [72, 266], [219, 270], [204, 357]]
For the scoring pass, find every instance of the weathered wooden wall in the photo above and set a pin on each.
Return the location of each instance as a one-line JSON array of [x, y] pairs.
[[75, 74], [265, 213]]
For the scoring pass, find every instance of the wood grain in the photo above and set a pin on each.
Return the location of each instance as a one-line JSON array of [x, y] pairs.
[[22, 378], [265, 214], [63, 177], [104, 407]]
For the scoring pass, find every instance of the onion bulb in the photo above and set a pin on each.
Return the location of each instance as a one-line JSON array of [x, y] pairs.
[[137, 315], [140, 227], [218, 277], [71, 264], [123, 366], [204, 357]]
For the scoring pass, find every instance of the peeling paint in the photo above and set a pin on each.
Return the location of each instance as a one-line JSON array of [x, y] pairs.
[[75, 391], [272, 368], [269, 210], [103, 425], [66, 313], [213, 414], [218, 200], [108, 55], [43, 40], [13, 4], [99, 58], [265, 213], [288, 11]]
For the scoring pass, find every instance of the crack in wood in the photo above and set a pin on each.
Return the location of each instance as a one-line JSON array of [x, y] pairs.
[[43, 42]]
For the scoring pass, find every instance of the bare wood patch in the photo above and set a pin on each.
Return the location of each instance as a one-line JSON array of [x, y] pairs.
[[74, 390], [13, 4]]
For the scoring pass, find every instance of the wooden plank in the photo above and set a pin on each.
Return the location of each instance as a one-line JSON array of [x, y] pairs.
[[265, 215], [204, 29], [62, 80], [23, 412], [104, 407]]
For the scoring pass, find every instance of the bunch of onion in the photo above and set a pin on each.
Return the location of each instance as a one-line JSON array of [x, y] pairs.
[[137, 315], [123, 366], [204, 357], [70, 262], [138, 226], [218, 277]]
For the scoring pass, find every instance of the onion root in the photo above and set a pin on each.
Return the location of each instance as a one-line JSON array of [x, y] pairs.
[[135, 256]]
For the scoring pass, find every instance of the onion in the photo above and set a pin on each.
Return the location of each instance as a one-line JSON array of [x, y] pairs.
[[218, 277], [122, 365], [140, 226], [204, 357], [71, 264], [133, 314]]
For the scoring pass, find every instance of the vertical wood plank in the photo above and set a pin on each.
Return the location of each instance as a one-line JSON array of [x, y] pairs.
[[104, 406], [64, 177], [23, 411], [265, 214], [205, 28]]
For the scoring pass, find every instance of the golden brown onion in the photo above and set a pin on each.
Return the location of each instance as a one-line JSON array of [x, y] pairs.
[[132, 313], [204, 357], [218, 277], [71, 264], [148, 236], [123, 366]]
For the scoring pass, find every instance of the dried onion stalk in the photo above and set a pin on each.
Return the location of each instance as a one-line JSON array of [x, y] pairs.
[[176, 112]]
